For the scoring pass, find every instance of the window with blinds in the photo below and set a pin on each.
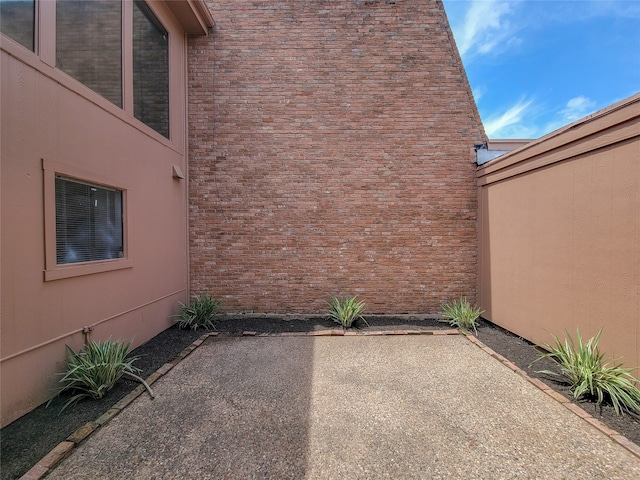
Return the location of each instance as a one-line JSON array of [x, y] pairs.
[[88, 222]]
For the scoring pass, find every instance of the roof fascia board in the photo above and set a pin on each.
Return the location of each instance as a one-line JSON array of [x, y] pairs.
[[193, 15], [610, 136], [619, 121]]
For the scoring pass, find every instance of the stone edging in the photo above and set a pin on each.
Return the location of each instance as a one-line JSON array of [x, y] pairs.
[[51, 459], [564, 401], [64, 448]]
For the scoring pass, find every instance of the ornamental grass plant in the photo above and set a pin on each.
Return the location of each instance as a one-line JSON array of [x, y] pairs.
[[199, 313], [590, 376], [93, 371], [461, 314], [346, 311]]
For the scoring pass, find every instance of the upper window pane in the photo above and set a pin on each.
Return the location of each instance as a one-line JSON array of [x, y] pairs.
[[89, 44], [150, 69], [17, 20]]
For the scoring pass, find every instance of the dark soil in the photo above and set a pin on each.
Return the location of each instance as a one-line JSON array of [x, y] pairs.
[[522, 353], [28, 439]]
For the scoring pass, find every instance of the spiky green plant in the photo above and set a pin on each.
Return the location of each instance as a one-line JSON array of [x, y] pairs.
[[347, 311], [199, 313], [461, 314], [93, 371], [589, 375]]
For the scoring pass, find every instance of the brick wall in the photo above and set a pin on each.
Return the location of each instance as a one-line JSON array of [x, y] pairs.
[[329, 155]]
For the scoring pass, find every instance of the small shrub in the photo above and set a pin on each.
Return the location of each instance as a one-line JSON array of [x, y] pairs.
[[93, 371], [461, 314], [347, 311], [589, 375], [199, 313]]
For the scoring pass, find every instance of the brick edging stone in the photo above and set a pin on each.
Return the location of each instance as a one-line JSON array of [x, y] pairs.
[[561, 399], [60, 451]]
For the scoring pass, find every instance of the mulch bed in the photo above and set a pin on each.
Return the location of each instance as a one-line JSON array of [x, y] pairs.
[[28, 439]]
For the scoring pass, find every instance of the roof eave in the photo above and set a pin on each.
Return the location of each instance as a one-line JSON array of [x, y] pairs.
[[193, 15]]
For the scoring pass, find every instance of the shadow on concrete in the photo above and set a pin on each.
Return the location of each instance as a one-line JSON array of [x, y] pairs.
[[356, 406], [235, 409]]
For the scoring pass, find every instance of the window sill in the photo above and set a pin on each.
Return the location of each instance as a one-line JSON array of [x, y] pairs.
[[79, 269]]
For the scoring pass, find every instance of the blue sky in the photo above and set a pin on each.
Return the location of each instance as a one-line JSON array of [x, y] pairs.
[[536, 65]]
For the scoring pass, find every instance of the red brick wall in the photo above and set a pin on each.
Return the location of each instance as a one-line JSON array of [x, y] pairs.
[[330, 155]]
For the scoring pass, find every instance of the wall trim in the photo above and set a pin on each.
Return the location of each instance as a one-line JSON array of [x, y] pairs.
[[80, 330], [611, 125]]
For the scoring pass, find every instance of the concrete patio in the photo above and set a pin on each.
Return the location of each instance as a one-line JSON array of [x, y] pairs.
[[346, 407]]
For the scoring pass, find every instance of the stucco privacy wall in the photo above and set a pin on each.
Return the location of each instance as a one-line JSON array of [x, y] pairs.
[[560, 233], [52, 124], [330, 154]]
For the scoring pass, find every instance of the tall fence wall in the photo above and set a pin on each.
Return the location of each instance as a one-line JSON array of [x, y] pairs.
[[559, 233]]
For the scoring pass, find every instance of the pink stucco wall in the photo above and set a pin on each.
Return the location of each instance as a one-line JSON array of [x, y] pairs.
[[52, 123], [559, 230]]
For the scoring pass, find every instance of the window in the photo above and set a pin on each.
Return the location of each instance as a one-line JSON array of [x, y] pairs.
[[88, 222], [17, 21], [150, 69], [85, 222], [117, 48], [89, 44]]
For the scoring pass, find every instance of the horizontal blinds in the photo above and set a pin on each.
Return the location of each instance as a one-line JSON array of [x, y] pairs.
[[88, 222]]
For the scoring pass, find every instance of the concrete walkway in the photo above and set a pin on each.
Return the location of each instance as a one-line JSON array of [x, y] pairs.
[[405, 406]]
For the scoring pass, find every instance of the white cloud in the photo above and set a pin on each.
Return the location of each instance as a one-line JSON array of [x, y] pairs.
[[483, 27], [574, 109], [510, 123], [486, 27], [528, 119], [479, 92], [578, 107]]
